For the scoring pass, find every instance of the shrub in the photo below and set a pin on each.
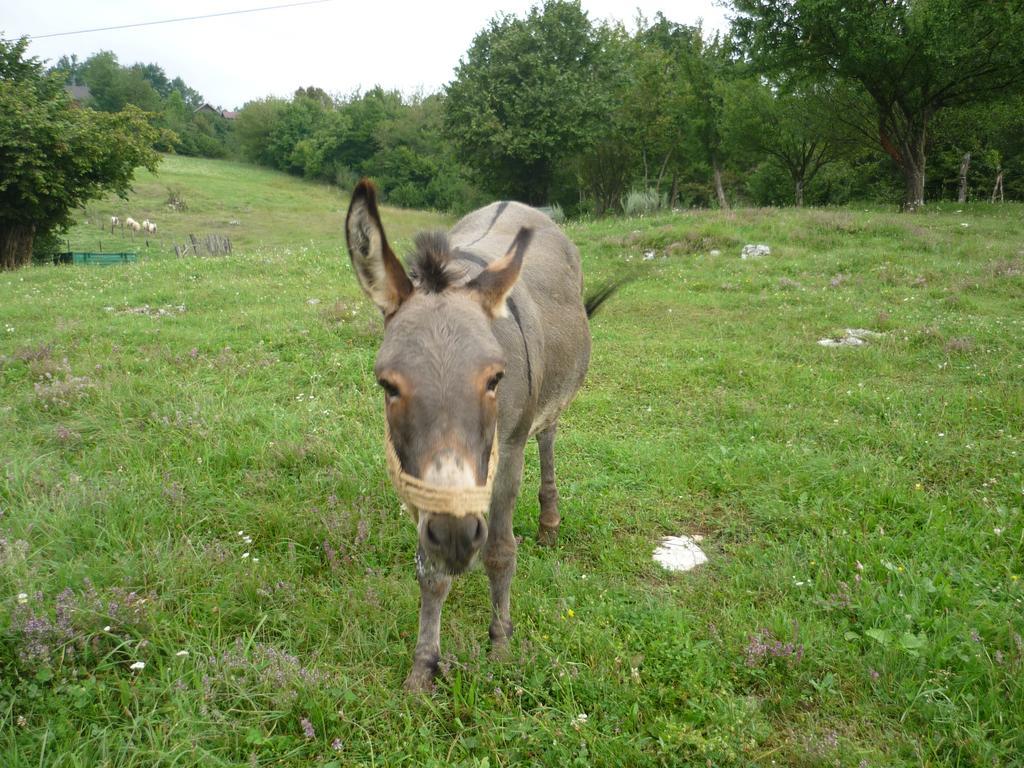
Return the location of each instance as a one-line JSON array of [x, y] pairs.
[[643, 202]]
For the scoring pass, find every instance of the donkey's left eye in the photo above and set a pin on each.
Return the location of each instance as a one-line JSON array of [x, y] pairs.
[[492, 383], [390, 390]]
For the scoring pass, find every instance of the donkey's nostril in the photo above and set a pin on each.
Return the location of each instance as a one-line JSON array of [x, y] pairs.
[[431, 534], [454, 540]]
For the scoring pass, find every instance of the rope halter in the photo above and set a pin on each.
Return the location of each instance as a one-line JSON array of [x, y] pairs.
[[417, 495]]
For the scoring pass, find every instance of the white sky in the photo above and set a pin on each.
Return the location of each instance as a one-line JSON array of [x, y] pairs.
[[339, 46]]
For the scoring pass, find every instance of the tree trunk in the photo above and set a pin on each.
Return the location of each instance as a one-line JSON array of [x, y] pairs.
[[16, 245], [908, 152], [798, 197], [965, 165], [673, 198], [719, 191], [913, 189]]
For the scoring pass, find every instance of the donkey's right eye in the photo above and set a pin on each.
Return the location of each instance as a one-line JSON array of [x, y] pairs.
[[390, 390]]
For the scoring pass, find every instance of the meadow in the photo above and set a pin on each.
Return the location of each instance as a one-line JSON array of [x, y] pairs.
[[202, 562]]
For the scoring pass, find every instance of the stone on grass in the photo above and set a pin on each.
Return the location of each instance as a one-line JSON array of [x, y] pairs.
[[853, 337], [680, 553], [755, 251]]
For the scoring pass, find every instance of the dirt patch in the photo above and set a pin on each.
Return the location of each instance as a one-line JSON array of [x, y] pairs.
[[1008, 268], [168, 310], [959, 344]]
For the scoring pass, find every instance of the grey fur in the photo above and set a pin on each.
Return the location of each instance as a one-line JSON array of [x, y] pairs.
[[439, 346]]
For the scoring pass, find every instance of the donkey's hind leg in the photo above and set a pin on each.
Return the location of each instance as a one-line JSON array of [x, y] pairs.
[[547, 532]]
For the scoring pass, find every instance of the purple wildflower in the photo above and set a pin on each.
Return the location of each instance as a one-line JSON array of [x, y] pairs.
[[764, 645], [336, 745], [332, 556], [307, 728]]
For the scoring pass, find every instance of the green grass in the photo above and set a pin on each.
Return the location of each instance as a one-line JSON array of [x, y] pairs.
[[862, 504], [254, 207]]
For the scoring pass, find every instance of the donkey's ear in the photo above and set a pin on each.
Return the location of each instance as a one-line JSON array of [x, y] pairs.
[[378, 269], [494, 284]]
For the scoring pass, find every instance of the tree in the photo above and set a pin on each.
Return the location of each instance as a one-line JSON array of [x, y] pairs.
[[256, 121], [912, 58], [700, 70], [528, 96], [784, 125], [54, 156]]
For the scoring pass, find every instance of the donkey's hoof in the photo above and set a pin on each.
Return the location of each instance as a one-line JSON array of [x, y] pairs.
[[419, 681], [499, 651], [547, 536]]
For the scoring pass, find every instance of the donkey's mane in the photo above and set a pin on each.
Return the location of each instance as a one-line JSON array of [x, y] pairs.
[[430, 264]]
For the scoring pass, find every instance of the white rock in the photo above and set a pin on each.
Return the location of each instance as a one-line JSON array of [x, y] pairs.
[[648, 255], [846, 341], [679, 553], [854, 337], [755, 251], [715, 252]]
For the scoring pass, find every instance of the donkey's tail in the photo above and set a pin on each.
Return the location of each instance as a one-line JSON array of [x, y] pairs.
[[594, 301]]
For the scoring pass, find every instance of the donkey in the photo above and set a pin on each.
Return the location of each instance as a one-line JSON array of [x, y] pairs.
[[485, 343]]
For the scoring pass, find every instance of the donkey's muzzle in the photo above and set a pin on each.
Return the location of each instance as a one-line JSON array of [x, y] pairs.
[[452, 540]]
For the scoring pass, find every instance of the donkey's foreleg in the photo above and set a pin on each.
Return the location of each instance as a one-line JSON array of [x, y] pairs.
[[547, 531], [434, 587], [500, 549]]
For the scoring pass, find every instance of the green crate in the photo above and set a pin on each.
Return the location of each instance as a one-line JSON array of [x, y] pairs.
[[87, 257]]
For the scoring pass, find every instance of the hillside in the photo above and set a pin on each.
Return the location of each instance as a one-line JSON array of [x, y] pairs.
[[252, 206]]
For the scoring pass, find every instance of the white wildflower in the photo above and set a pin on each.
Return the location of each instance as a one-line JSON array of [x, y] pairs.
[[138, 666]]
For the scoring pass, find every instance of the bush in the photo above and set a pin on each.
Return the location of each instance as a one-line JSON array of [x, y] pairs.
[[643, 202]]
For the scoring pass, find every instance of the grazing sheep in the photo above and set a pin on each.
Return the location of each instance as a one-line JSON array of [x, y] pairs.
[[132, 224], [114, 222], [149, 226]]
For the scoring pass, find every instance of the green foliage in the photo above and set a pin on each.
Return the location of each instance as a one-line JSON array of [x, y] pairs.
[[55, 156], [528, 96], [785, 125], [146, 86], [909, 60], [398, 142]]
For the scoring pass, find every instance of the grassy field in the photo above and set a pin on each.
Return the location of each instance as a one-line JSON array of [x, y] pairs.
[[254, 207], [191, 478]]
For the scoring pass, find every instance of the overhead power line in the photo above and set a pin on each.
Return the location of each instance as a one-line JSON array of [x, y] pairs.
[[183, 18]]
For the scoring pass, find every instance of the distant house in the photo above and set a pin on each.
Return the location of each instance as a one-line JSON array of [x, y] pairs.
[[78, 93], [207, 108]]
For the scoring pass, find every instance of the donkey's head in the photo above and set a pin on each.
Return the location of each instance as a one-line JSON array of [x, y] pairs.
[[439, 366]]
